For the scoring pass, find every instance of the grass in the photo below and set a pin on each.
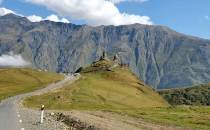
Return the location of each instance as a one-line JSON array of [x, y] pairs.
[[14, 81], [119, 91], [195, 117], [101, 90]]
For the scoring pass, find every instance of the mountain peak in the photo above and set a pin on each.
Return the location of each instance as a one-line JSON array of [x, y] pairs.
[[12, 16], [15, 18]]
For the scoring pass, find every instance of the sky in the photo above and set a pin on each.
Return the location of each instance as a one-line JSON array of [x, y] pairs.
[[191, 17]]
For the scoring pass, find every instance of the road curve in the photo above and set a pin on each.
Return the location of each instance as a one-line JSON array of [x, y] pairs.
[[10, 118]]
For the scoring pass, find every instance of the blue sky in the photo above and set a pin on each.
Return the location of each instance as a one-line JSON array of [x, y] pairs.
[[186, 16], [191, 17]]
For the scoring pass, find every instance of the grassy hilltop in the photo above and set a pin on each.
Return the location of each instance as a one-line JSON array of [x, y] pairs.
[[14, 81], [102, 89]]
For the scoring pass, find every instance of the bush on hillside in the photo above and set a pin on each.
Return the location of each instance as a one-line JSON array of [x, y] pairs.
[[198, 95]]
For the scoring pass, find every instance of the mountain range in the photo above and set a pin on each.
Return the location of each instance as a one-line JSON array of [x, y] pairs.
[[160, 56]]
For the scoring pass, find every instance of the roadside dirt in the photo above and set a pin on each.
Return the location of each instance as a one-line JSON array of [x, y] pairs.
[[107, 121], [31, 117]]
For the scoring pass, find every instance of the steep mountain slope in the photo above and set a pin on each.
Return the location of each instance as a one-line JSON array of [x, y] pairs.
[[101, 88], [161, 57]]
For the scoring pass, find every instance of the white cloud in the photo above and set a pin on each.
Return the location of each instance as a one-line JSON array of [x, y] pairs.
[[35, 18], [64, 20], [95, 12], [12, 60], [119, 1], [207, 17], [54, 18], [4, 11]]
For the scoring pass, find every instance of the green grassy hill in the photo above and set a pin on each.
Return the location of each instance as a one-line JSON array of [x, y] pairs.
[[15, 81], [118, 90], [197, 95], [100, 88]]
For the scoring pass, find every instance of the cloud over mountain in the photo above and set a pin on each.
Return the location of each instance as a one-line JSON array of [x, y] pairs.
[[4, 11], [12, 60], [94, 12], [52, 17], [35, 18]]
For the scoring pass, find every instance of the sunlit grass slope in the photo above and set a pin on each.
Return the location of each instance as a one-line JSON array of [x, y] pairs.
[[118, 90], [189, 117], [15, 81], [102, 88]]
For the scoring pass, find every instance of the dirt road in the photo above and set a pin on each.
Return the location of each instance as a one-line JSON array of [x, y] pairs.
[[11, 113]]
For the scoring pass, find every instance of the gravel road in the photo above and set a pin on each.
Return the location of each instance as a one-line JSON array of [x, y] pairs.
[[15, 117]]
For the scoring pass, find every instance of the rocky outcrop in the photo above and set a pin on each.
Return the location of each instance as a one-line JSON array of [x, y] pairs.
[[73, 122], [160, 56]]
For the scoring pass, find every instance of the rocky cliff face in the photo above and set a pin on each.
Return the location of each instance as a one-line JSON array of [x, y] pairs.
[[160, 56]]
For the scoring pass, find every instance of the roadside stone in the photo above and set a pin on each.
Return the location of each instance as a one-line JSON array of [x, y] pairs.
[[73, 123], [32, 122]]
